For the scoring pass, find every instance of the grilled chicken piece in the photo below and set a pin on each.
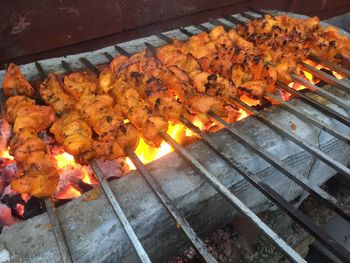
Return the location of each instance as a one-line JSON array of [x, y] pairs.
[[80, 83], [51, 90], [25, 114], [73, 132], [15, 83]]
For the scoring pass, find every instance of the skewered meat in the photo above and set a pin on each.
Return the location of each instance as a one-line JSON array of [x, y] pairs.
[[36, 174], [51, 90], [15, 83], [139, 95], [71, 131]]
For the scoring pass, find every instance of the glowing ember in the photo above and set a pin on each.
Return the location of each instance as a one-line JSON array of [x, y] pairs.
[[5, 154], [69, 168], [20, 209]]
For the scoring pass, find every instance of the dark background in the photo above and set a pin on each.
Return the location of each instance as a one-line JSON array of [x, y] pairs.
[[36, 29]]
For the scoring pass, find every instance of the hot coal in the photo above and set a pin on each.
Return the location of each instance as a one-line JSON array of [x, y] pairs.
[[6, 217], [113, 169], [12, 201], [33, 207], [80, 185], [322, 83], [264, 103]]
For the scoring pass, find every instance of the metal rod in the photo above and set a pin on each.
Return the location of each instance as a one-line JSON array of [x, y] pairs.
[[241, 207], [175, 213], [108, 56], [308, 118], [151, 48], [248, 16], [201, 27], [57, 230], [330, 65], [66, 66], [341, 84], [296, 177], [122, 51], [299, 141], [334, 114], [186, 32], [90, 66], [297, 215], [42, 73], [217, 22], [329, 96], [119, 212], [165, 38], [234, 20]]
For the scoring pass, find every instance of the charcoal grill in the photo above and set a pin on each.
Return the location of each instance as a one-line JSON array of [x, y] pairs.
[[336, 111]]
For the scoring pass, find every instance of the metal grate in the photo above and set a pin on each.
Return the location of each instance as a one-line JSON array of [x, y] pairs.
[[328, 200]]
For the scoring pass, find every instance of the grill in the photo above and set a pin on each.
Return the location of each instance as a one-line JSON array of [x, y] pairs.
[[63, 222]]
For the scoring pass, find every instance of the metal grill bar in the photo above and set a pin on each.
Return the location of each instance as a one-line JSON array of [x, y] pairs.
[[299, 141], [329, 96], [90, 66], [341, 84], [330, 65], [217, 22], [109, 193], [122, 51], [296, 177], [334, 114], [308, 118], [201, 27], [165, 38], [175, 213], [108, 56], [119, 211], [242, 208], [234, 20], [297, 215], [66, 66], [185, 31], [57, 230], [248, 16]]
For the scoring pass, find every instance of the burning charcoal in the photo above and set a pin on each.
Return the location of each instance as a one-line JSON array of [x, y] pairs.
[[80, 185], [112, 169], [33, 207], [5, 133], [8, 191], [8, 167], [12, 201], [3, 182], [6, 218], [322, 83], [264, 103]]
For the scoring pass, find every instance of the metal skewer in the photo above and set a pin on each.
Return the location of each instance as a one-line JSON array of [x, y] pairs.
[[57, 229], [298, 216], [308, 118], [299, 141], [322, 92], [242, 208], [174, 212]]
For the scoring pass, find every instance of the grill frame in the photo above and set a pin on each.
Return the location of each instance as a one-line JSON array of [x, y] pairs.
[[88, 64]]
